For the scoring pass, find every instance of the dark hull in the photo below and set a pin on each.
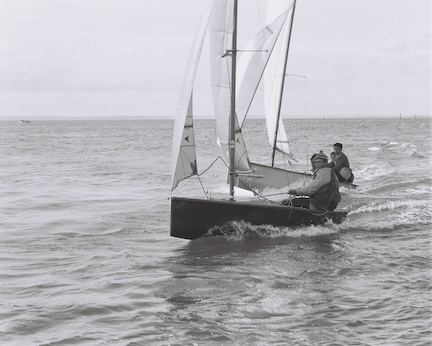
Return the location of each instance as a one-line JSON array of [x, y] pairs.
[[193, 218]]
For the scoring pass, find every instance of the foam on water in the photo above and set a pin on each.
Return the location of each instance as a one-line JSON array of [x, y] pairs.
[[389, 214], [374, 171], [239, 230]]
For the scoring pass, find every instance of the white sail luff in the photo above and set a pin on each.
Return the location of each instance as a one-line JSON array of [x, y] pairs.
[[186, 162], [220, 40], [274, 77], [253, 62], [183, 149]]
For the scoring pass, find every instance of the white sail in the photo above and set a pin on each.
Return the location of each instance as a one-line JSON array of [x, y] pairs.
[[253, 62], [186, 162], [274, 79], [183, 149], [220, 39]]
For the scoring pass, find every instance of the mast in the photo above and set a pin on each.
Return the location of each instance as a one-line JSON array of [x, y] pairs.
[[232, 121], [283, 82]]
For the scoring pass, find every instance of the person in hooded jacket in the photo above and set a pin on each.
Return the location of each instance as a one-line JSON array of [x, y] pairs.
[[323, 190], [340, 164]]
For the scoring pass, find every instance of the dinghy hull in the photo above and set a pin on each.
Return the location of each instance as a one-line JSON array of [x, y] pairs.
[[193, 218]]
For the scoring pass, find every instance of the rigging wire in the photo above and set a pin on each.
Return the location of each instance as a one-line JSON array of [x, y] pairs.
[[305, 91], [214, 148]]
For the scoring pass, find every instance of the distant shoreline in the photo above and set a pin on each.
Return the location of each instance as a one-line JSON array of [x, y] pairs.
[[126, 117]]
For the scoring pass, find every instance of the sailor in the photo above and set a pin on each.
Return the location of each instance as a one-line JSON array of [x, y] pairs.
[[313, 163], [340, 164], [332, 156], [323, 190]]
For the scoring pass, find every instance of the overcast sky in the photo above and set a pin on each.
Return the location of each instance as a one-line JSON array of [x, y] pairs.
[[127, 57]]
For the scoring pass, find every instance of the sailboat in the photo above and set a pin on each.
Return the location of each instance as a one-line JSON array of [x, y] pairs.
[[192, 218]]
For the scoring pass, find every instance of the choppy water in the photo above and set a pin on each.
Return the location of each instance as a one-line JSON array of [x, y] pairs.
[[86, 257]]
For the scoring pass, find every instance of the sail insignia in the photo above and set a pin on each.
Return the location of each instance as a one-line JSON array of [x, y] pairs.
[[186, 162]]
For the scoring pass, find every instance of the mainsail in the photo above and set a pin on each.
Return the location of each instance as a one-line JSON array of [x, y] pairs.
[[220, 38], [183, 149]]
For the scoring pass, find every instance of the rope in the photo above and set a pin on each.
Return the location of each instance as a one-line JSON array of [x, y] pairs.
[[199, 175], [211, 165]]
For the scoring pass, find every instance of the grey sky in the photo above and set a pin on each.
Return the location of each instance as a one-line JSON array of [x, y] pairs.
[[127, 57]]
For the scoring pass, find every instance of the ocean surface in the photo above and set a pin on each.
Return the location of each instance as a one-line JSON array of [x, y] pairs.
[[86, 257]]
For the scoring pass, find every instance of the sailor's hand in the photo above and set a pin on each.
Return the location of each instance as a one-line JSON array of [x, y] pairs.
[[292, 192]]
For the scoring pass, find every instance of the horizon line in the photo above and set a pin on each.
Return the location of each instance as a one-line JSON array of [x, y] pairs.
[[205, 117]]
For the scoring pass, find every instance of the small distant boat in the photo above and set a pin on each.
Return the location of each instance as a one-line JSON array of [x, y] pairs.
[[24, 121], [192, 218]]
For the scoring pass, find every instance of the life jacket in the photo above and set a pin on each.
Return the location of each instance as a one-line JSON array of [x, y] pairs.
[[327, 194]]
